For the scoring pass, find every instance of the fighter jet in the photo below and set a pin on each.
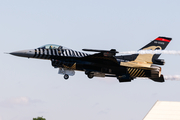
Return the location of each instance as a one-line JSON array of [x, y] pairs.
[[103, 63]]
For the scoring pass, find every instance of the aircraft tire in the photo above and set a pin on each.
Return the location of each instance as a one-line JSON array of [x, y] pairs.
[[66, 76], [90, 75]]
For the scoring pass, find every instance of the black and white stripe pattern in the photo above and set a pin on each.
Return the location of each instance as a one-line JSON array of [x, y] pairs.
[[48, 53], [72, 53]]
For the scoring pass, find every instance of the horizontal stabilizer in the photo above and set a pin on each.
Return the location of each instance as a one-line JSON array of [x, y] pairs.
[[159, 79]]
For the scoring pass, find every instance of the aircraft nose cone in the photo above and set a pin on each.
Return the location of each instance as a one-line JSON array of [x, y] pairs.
[[24, 53]]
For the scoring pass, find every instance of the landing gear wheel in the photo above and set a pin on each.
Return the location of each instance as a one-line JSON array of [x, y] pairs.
[[90, 75], [66, 76]]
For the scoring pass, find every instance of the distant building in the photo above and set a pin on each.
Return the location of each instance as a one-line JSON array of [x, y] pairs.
[[164, 110]]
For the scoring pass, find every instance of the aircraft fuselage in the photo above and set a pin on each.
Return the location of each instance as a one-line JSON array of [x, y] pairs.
[[104, 63]]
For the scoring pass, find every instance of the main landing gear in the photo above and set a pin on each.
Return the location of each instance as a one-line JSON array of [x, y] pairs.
[[89, 74], [124, 78]]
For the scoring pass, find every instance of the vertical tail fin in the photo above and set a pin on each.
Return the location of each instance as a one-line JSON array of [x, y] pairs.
[[159, 43]]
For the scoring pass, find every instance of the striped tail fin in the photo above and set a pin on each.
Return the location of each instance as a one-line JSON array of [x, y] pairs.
[[159, 43]]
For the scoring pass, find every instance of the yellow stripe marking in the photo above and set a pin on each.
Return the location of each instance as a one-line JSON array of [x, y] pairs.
[[73, 67], [135, 72], [132, 72], [140, 73], [130, 69]]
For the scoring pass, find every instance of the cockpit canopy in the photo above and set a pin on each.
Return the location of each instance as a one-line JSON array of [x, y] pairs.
[[52, 46]]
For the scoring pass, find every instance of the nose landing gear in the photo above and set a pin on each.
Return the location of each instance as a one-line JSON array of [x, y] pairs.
[[66, 72], [66, 76]]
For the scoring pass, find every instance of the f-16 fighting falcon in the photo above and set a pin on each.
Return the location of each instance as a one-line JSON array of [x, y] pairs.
[[104, 63]]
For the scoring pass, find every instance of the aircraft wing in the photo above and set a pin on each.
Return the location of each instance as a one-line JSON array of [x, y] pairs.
[[109, 53], [103, 56]]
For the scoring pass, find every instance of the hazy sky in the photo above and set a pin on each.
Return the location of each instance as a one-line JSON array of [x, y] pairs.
[[31, 88]]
